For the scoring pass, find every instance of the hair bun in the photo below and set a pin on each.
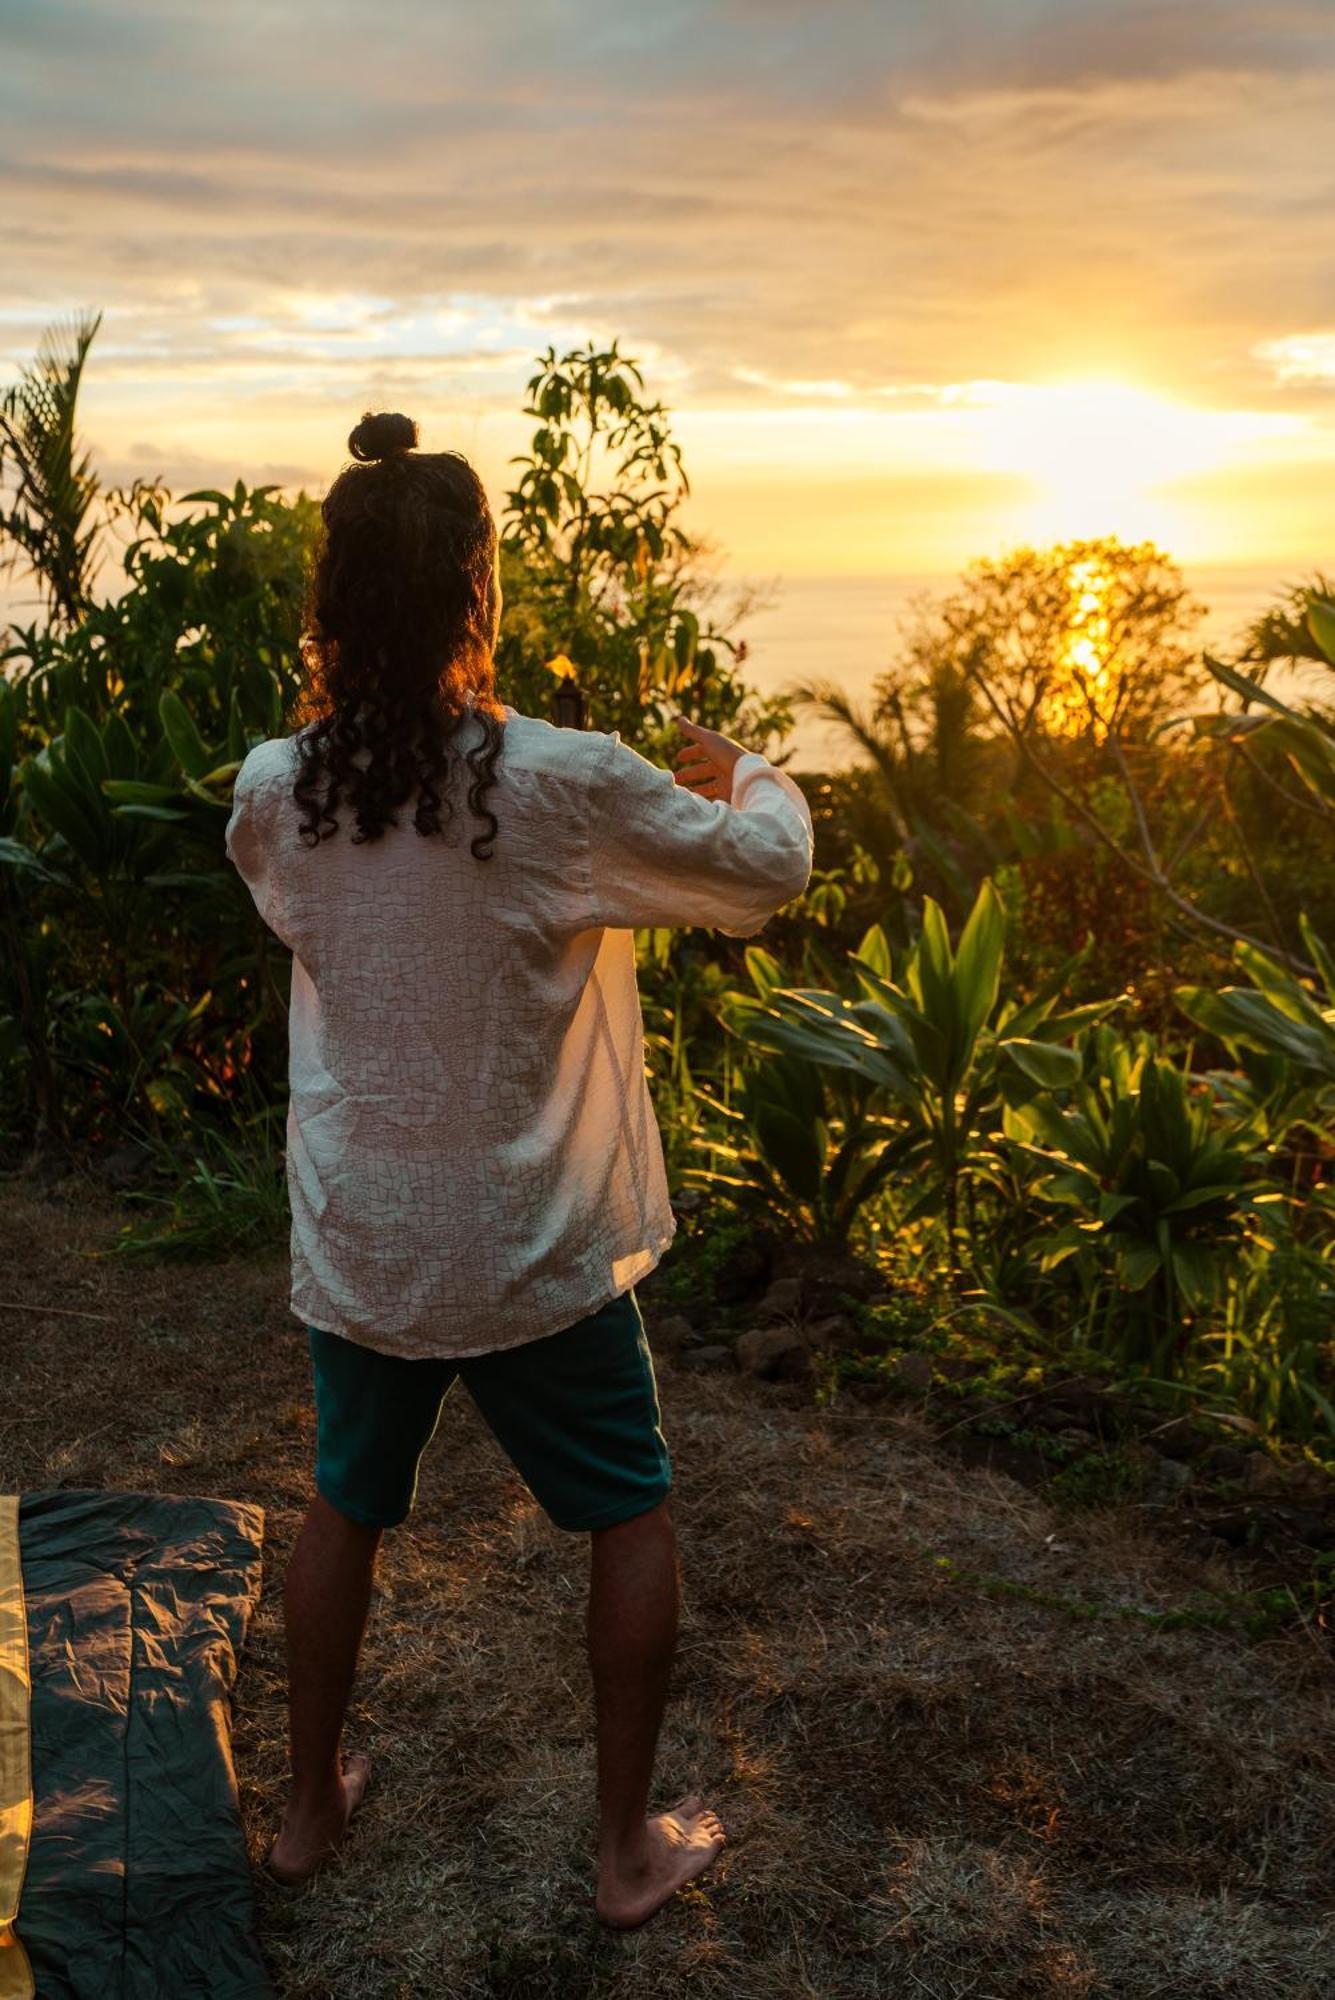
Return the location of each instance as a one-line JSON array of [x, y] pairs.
[[380, 434]]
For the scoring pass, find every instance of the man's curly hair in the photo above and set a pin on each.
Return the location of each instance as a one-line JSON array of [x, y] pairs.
[[398, 642]]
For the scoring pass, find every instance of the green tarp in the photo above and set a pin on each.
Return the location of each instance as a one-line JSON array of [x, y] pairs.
[[137, 1882]]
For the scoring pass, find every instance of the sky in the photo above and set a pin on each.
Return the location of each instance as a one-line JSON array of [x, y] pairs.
[[919, 282]]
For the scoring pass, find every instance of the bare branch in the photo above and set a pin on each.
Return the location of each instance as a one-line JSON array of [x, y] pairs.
[[1149, 869]]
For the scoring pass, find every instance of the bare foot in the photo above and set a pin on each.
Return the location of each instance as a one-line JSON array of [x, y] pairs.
[[304, 1844], [679, 1845]]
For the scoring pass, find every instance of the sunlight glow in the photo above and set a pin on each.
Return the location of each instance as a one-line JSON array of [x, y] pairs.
[[1104, 454], [1079, 703]]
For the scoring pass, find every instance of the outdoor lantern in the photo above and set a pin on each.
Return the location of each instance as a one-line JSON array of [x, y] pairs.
[[568, 706]]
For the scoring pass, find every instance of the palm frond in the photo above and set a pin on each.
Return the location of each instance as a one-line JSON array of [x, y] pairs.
[[833, 704], [48, 520]]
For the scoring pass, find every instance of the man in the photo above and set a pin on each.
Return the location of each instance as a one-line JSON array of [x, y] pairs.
[[475, 1173]]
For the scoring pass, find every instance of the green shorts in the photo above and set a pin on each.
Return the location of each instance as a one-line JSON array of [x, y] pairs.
[[576, 1413]]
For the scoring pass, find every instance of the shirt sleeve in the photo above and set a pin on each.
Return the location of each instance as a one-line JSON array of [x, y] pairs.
[[245, 839], [662, 855]]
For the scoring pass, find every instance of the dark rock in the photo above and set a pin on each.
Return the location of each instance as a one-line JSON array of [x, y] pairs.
[[955, 1367], [1041, 1416], [1265, 1476], [1030, 1468], [783, 1300], [836, 1335], [125, 1166], [671, 1334], [1073, 1434], [1162, 1479], [1233, 1526], [1169, 1478], [702, 1360], [774, 1353], [1309, 1483], [1180, 1439]]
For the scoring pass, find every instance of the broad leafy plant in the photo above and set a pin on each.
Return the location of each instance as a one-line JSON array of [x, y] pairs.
[[1156, 1196], [1280, 1017], [802, 1142], [934, 1045]]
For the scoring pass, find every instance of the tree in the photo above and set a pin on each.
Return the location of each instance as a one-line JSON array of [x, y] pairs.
[[1153, 811], [1088, 639], [1063, 649], [599, 574]]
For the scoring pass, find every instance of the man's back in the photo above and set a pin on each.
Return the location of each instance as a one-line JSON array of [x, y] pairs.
[[473, 1160]]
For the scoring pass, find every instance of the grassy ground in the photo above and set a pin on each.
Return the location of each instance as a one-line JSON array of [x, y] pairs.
[[931, 1790]]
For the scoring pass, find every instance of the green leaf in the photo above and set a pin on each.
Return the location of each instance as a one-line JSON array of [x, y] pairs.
[[184, 880], [1321, 625], [137, 792], [14, 854], [1139, 1262], [930, 970], [1240, 684], [874, 951], [1047, 1063], [57, 803], [121, 750], [977, 969], [1195, 1269], [791, 1149], [1201, 1197], [188, 747], [1322, 958], [764, 969], [82, 747]]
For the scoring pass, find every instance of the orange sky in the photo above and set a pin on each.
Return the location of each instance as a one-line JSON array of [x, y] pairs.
[[918, 282]]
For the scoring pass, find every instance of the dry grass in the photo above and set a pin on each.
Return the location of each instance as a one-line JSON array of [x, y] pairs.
[[929, 1791]]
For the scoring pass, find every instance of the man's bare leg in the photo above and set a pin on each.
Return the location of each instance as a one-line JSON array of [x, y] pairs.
[[633, 1606], [326, 1598]]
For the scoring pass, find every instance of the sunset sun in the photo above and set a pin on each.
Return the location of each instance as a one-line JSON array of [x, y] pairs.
[[1103, 456]]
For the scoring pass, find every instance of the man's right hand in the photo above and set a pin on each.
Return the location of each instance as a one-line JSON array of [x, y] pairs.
[[705, 763]]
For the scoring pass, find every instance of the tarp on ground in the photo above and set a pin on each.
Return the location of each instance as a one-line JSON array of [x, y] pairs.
[[132, 1880]]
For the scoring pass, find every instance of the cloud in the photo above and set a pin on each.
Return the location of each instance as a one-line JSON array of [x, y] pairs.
[[771, 203], [1301, 357]]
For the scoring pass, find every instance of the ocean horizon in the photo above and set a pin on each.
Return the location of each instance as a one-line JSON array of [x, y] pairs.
[[848, 629]]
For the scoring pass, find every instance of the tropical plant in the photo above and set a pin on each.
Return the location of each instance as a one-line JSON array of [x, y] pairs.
[[1305, 737], [232, 1199], [211, 613], [938, 1046], [1157, 1196], [1279, 1016], [803, 1142], [1268, 1354], [48, 518], [600, 575]]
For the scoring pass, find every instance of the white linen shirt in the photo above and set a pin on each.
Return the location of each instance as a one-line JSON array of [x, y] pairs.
[[472, 1157]]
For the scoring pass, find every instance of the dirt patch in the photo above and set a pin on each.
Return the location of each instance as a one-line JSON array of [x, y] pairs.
[[930, 1788]]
